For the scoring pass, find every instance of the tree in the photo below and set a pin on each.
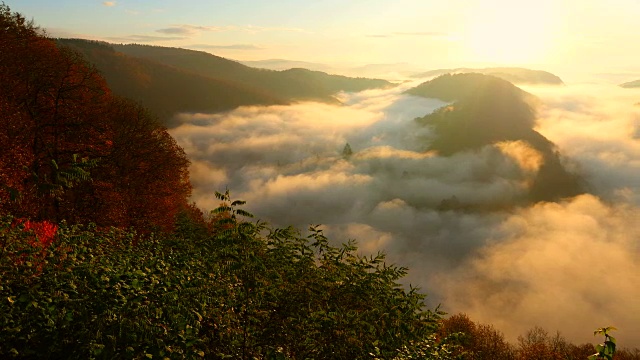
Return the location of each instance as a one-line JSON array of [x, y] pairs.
[[478, 341], [53, 99], [146, 169], [346, 151], [75, 152]]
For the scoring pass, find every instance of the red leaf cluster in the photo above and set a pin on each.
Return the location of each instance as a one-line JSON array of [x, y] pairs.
[[44, 231]]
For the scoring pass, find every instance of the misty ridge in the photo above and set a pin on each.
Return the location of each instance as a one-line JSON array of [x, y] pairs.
[[499, 198]]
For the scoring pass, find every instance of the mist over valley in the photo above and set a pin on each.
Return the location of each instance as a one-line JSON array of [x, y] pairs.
[[520, 213], [288, 181]]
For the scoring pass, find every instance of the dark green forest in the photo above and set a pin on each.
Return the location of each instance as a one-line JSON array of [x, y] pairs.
[[103, 256]]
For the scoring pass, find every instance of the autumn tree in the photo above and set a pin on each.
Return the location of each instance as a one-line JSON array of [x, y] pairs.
[[145, 169], [53, 100], [479, 341], [76, 152]]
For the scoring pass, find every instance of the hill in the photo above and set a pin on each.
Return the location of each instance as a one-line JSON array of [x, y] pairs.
[[391, 71], [487, 110], [283, 64], [292, 84], [512, 74], [172, 80], [163, 89]]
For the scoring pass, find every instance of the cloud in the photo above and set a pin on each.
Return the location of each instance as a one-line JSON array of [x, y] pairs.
[[428, 34], [189, 30], [598, 127], [259, 29], [144, 38], [570, 266], [421, 33], [566, 266], [109, 3], [177, 31], [225, 47], [460, 223]]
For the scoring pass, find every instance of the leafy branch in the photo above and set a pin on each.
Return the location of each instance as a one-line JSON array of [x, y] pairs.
[[607, 349]]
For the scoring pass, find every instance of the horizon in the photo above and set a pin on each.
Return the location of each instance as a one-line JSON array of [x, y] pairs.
[[580, 42]]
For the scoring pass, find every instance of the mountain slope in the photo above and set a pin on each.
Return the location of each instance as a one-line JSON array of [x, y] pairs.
[[172, 80], [295, 84], [166, 90], [488, 110]]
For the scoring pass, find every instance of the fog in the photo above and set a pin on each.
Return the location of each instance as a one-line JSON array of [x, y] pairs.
[[460, 223]]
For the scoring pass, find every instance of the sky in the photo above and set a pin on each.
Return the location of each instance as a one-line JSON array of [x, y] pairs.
[[568, 37]]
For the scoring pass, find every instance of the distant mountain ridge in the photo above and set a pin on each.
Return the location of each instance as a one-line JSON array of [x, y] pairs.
[[297, 84], [514, 75], [394, 71], [173, 80], [283, 64]]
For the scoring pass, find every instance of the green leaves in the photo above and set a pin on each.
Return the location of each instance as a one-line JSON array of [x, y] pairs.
[[246, 291], [607, 349]]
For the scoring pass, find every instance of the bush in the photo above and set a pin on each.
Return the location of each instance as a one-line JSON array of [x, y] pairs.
[[248, 291]]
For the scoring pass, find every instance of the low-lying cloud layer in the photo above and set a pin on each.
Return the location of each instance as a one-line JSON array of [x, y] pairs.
[[459, 223]]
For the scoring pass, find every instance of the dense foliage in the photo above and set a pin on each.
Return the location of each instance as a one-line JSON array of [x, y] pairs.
[[244, 291], [72, 150]]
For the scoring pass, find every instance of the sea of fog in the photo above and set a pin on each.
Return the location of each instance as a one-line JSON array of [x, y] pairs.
[[571, 266]]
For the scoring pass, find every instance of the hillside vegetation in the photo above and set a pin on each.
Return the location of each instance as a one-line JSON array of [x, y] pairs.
[[487, 110], [173, 80]]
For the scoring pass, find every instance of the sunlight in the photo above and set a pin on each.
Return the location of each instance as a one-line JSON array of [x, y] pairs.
[[510, 33]]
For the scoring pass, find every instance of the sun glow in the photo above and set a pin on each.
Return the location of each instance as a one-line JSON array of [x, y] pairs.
[[510, 32]]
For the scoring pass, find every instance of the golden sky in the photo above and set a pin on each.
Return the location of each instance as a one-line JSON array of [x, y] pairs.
[[562, 35]]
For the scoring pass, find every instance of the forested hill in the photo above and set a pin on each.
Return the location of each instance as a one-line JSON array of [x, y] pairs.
[[515, 75], [171, 80], [487, 110], [289, 84], [163, 89]]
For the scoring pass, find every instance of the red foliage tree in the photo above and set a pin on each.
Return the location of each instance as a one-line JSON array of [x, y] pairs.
[[75, 152], [145, 169], [54, 100]]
